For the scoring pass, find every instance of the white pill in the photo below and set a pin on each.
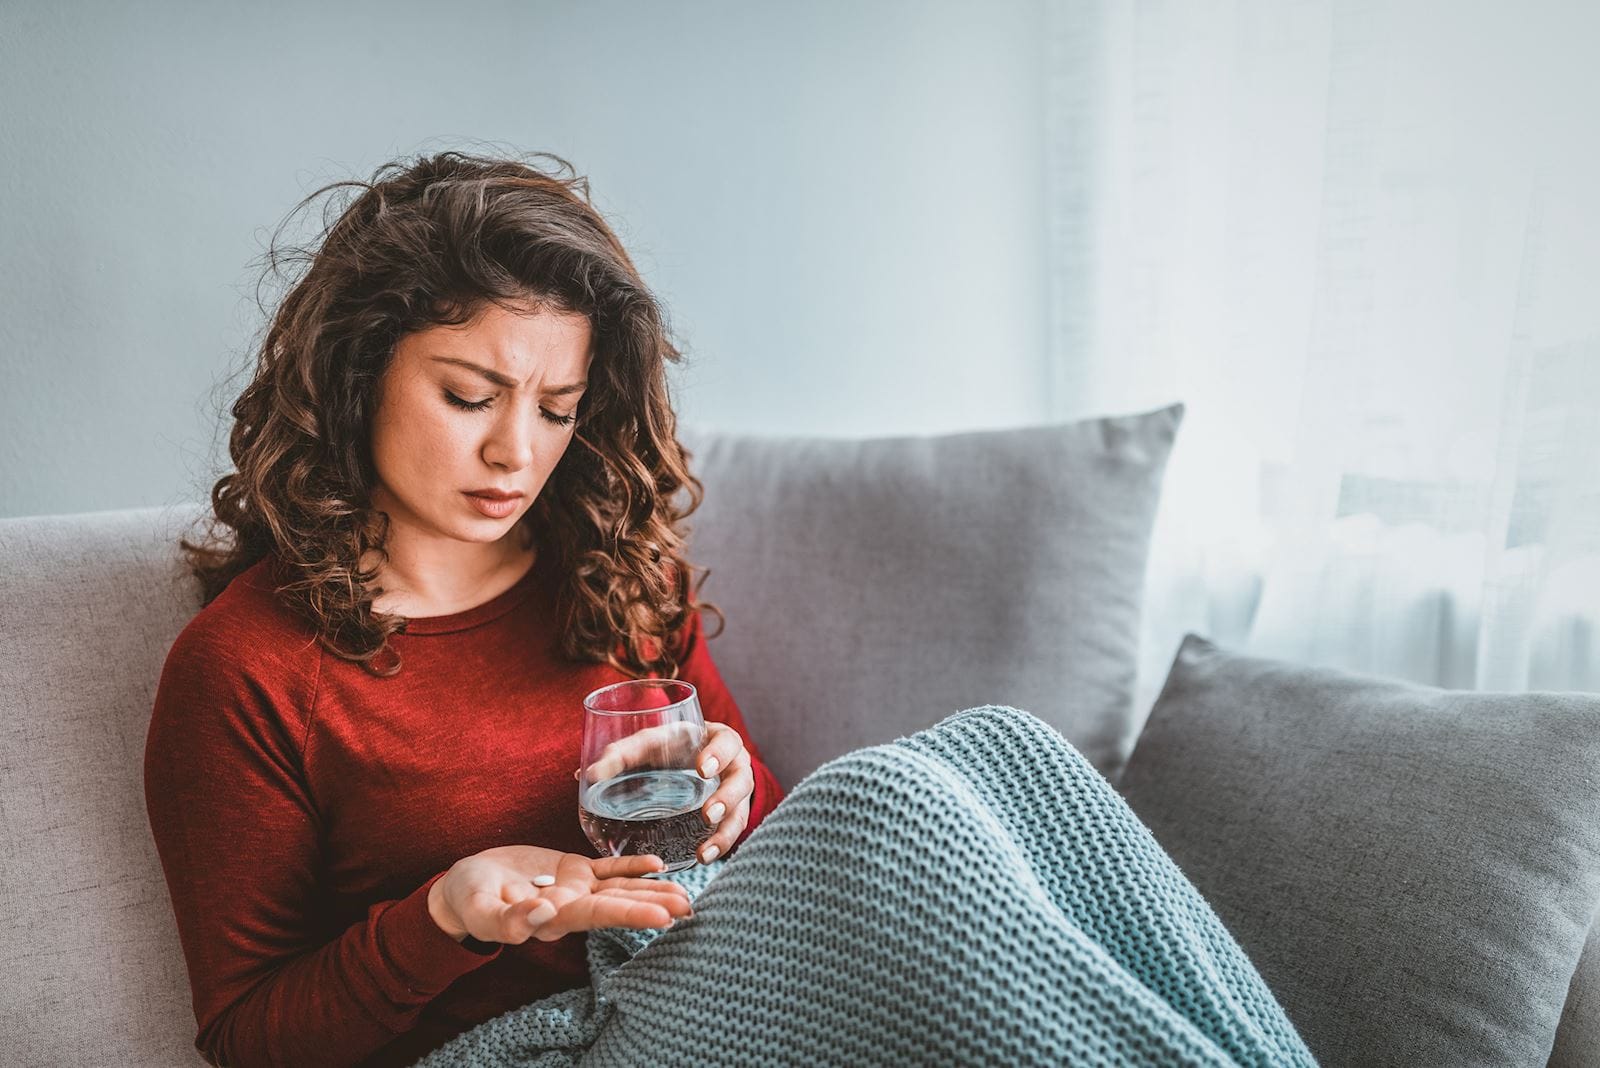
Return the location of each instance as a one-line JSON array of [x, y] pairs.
[[543, 880]]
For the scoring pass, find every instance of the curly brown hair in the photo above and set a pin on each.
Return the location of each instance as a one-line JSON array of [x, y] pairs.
[[429, 241]]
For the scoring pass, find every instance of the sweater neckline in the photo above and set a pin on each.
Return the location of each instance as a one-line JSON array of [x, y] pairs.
[[489, 610]]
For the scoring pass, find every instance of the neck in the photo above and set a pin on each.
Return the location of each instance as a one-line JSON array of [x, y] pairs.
[[431, 577]]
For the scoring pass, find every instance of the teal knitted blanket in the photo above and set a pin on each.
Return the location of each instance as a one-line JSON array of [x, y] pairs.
[[975, 893]]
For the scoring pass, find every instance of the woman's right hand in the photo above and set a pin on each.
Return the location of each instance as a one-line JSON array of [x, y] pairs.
[[492, 896]]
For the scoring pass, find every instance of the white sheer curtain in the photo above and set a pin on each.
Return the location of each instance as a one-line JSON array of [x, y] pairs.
[[1361, 241]]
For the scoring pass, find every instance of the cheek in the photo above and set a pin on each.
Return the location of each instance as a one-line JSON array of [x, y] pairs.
[[415, 443], [442, 438], [557, 449]]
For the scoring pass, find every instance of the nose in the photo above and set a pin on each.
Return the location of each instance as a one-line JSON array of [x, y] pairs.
[[511, 440]]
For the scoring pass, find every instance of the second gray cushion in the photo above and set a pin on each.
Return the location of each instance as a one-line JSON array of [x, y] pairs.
[[1413, 870]]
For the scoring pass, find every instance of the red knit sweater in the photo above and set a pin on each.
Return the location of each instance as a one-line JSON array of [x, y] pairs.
[[303, 807]]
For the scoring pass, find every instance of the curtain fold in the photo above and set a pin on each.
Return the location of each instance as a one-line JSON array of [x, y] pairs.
[[1361, 242]]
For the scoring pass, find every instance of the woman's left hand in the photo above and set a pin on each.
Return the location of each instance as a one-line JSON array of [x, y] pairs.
[[728, 808]]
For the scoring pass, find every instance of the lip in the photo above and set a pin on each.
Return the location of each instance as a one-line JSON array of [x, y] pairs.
[[495, 494], [495, 507]]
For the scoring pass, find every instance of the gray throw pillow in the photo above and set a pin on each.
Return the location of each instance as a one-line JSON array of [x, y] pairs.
[[872, 587], [1412, 870]]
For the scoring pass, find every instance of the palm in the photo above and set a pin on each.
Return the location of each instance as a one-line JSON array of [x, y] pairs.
[[588, 892]]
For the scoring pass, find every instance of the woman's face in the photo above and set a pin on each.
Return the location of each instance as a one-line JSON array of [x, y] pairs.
[[522, 376]]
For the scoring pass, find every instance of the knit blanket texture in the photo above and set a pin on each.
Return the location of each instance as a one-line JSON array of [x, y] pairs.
[[974, 893]]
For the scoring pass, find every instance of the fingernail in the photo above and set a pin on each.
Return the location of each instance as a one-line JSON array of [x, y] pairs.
[[711, 767], [714, 813], [711, 854]]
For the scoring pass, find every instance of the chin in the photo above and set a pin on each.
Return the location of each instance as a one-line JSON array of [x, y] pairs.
[[480, 528], [486, 530]]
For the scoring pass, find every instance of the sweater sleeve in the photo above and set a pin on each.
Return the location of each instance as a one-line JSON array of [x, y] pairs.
[[238, 836], [717, 704]]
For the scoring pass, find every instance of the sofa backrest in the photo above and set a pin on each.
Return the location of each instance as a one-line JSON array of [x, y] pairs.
[[89, 606]]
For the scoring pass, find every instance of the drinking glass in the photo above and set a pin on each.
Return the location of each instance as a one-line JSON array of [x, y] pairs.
[[639, 790]]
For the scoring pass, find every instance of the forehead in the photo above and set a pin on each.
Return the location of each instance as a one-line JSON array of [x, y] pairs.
[[537, 348]]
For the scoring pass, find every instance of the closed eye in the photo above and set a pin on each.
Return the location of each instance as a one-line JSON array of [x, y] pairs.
[[471, 406], [478, 406]]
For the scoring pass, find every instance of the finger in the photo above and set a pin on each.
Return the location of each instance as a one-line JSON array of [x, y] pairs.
[[720, 750], [618, 910], [513, 893], [631, 886], [639, 864], [504, 921], [600, 910], [535, 912], [523, 902], [481, 910], [541, 918], [663, 745], [640, 884], [677, 904], [726, 834], [735, 787]]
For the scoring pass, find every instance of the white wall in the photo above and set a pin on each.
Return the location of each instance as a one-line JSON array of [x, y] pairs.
[[840, 203]]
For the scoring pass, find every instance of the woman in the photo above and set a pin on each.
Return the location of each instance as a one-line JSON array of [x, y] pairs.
[[363, 747], [454, 514]]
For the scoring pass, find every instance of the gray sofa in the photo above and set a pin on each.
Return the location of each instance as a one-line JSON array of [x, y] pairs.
[[870, 588]]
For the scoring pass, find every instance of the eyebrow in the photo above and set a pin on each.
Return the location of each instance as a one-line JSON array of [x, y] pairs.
[[503, 380]]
